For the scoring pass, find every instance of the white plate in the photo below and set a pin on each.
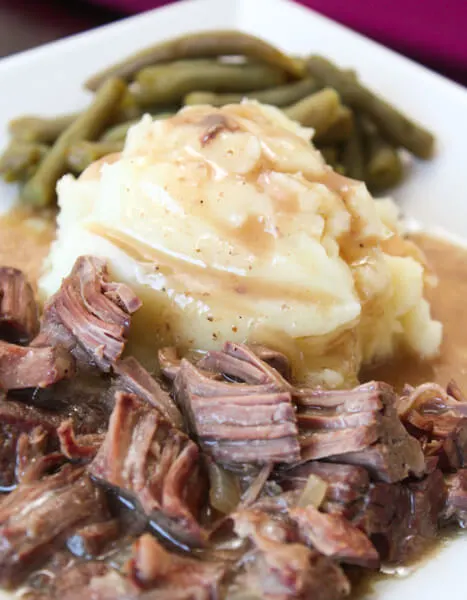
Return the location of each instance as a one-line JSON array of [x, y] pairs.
[[48, 81]]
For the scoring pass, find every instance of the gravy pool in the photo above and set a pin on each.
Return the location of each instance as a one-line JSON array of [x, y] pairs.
[[448, 301]]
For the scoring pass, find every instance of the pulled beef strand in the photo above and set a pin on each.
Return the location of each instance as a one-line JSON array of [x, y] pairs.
[[19, 317], [24, 367], [134, 378], [177, 577], [89, 314], [158, 466]]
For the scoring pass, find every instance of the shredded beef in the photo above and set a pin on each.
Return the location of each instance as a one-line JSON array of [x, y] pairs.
[[438, 417], [25, 367], [361, 427], [91, 540], [36, 518], [83, 447], [334, 536], [401, 518], [95, 451], [92, 579], [347, 485], [177, 577], [19, 321], [134, 378], [89, 315], [158, 466], [275, 359], [241, 363], [456, 502], [280, 567], [238, 423], [17, 418]]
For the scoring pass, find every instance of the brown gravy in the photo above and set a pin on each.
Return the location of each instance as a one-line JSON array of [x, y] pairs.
[[449, 263], [25, 239]]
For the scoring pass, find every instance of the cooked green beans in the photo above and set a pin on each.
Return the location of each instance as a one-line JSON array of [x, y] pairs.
[[82, 154], [40, 189], [41, 130], [353, 159], [168, 84], [318, 110], [200, 45], [340, 130], [20, 160], [383, 167], [281, 95], [395, 126], [218, 68]]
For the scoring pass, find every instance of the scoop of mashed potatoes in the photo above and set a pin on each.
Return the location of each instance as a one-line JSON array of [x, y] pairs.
[[230, 226]]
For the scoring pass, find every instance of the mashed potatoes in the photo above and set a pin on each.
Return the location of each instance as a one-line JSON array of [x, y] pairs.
[[229, 225]]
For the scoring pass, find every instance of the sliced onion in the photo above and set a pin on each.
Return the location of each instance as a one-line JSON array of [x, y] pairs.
[[313, 492], [254, 490], [224, 493]]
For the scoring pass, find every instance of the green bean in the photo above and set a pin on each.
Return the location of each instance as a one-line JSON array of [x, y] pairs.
[[41, 130], [394, 125], [40, 189], [384, 167], [318, 110], [282, 95], [45, 130], [168, 84], [340, 130], [200, 45], [20, 159], [353, 158], [82, 154], [118, 133]]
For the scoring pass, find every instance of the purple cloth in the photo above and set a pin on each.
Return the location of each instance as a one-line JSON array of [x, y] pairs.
[[430, 31]]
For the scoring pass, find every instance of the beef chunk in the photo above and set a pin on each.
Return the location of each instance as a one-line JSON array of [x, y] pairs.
[[333, 535], [89, 315], [359, 427], [347, 485], [238, 423], [279, 567], [401, 518], [135, 379], [154, 464], [19, 321], [25, 367], [438, 417], [172, 576], [456, 502], [37, 517]]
